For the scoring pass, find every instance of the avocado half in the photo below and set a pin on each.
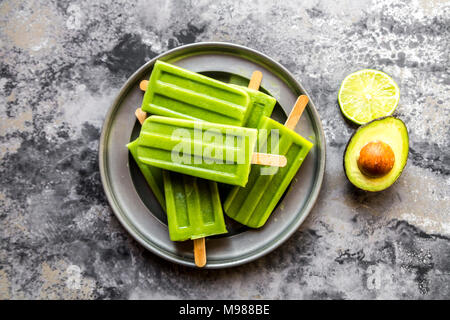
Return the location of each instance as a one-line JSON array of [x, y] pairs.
[[389, 130]]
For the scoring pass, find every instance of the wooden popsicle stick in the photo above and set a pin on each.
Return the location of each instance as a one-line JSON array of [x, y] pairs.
[[267, 159], [200, 252], [255, 80], [143, 85], [140, 115], [296, 112]]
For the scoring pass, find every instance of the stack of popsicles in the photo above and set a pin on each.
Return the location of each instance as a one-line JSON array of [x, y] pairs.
[[201, 132]]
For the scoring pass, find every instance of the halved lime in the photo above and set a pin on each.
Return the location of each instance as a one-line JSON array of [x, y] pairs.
[[368, 94]]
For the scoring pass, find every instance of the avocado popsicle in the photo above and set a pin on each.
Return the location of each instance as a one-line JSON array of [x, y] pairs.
[[176, 92], [210, 151], [194, 209], [252, 205], [258, 105]]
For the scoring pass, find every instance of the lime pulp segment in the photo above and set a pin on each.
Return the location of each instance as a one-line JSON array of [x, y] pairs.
[[368, 94]]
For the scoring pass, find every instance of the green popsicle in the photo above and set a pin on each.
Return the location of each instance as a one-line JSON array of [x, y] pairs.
[[194, 209], [176, 92], [253, 204], [208, 150], [158, 99]]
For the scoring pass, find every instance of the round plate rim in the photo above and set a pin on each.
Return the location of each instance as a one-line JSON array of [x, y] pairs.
[[122, 217]]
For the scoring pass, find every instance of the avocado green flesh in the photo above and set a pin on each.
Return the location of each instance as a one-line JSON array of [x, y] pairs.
[[389, 130]]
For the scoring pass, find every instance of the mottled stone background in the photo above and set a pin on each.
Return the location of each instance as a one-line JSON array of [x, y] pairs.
[[61, 65]]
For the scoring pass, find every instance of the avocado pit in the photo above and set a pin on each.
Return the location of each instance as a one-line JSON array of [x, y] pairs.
[[376, 159]]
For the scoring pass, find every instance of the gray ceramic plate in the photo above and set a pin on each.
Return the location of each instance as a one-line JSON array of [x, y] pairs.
[[135, 205]]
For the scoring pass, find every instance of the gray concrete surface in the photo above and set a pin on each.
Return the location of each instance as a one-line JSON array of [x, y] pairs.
[[61, 65]]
